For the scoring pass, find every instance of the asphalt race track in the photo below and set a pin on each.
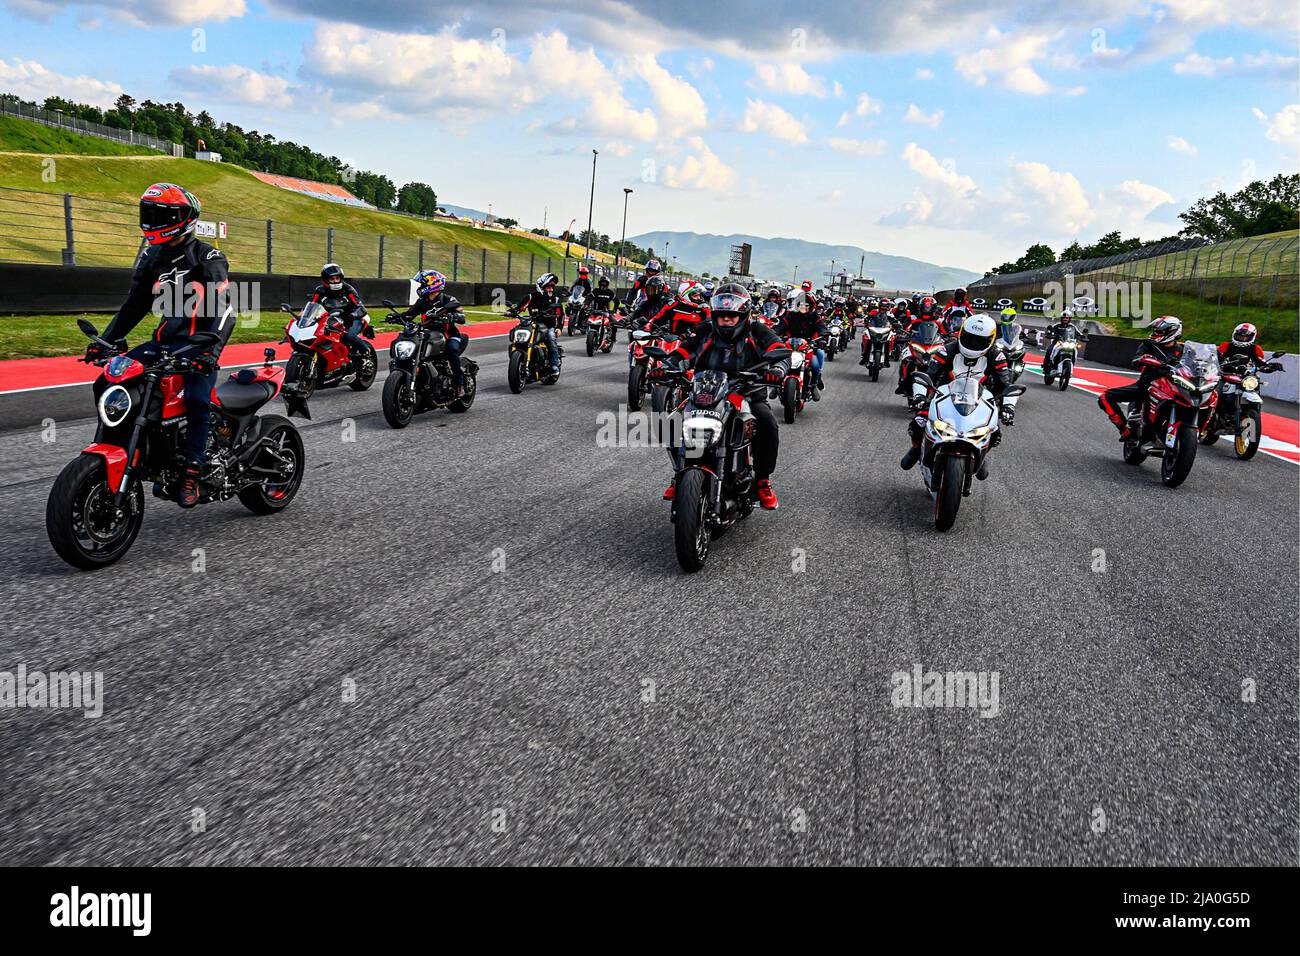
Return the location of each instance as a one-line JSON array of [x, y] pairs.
[[589, 703]]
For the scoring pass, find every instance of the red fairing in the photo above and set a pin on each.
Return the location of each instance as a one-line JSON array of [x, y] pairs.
[[114, 462], [270, 373], [173, 392]]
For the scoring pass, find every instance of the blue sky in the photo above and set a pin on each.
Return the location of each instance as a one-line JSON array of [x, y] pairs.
[[956, 132]]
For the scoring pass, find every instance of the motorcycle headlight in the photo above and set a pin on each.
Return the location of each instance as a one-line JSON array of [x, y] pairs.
[[979, 432], [943, 428], [699, 430], [114, 405], [403, 349], [522, 335], [796, 360], [1250, 383]]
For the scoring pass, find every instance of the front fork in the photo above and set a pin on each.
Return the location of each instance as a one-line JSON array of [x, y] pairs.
[[119, 493]]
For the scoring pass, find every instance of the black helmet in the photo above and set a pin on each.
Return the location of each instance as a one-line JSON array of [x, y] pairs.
[[655, 285], [604, 281], [331, 276], [959, 295], [728, 300], [652, 267]]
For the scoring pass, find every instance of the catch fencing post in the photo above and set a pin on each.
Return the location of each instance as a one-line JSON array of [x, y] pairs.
[[270, 242], [509, 256], [329, 244], [421, 269], [455, 262], [482, 274], [532, 265], [69, 250], [381, 256]]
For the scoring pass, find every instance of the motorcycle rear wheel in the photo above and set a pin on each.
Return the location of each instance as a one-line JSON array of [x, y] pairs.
[[267, 496]]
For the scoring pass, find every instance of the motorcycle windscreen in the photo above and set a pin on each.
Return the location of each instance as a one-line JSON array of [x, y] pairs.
[[926, 333], [964, 394], [708, 388]]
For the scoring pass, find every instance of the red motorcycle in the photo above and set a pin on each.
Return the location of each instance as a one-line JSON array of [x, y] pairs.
[[924, 340], [600, 332], [322, 358], [800, 381], [96, 506], [638, 374], [1178, 411]]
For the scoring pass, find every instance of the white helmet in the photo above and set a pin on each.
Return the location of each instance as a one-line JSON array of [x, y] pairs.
[[976, 336]]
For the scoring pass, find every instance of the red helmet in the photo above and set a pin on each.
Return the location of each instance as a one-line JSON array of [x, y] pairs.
[[807, 286], [166, 212], [582, 271], [1244, 334]]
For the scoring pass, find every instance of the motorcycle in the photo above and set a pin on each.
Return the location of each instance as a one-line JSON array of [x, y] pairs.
[[96, 506], [877, 345], [530, 354], [800, 381], [420, 377], [923, 341], [836, 340], [1178, 409], [1013, 347], [600, 332], [963, 425], [1065, 348], [1238, 411], [638, 373], [576, 309], [716, 485], [321, 358]]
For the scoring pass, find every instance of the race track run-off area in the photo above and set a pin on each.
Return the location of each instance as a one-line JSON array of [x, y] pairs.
[[469, 641]]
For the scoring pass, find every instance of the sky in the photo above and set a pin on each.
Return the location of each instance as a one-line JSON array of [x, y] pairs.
[[953, 131]]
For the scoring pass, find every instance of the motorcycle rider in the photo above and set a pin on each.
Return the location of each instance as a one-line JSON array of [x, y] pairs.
[[802, 322], [1051, 333], [1008, 330], [686, 316], [656, 301], [581, 284], [1242, 343], [652, 269], [1153, 357], [603, 299], [958, 301], [974, 350], [775, 297], [187, 282], [734, 343], [544, 308], [340, 299], [442, 313]]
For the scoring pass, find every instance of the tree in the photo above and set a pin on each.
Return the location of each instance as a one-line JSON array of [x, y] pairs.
[[418, 198], [539, 231], [1036, 256], [1258, 208], [508, 223]]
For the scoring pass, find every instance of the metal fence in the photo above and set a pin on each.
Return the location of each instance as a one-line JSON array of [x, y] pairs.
[[63, 229], [1212, 287], [11, 106]]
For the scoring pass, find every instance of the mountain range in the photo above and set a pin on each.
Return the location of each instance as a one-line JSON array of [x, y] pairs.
[[777, 259]]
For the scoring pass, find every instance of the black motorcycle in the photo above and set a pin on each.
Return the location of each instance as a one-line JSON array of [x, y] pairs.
[[530, 359], [716, 485], [420, 376]]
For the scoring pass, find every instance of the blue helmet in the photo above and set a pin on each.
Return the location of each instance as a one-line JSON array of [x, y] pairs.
[[429, 282]]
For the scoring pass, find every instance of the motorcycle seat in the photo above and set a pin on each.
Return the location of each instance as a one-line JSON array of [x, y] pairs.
[[239, 397]]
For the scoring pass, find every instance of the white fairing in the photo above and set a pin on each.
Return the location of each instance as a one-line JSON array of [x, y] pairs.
[[796, 360]]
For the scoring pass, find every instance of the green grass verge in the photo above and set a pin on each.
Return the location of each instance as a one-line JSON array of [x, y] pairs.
[[24, 136], [39, 336], [1279, 327]]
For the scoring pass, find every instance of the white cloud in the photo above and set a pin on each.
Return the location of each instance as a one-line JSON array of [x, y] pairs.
[[701, 169], [1283, 127], [789, 78], [947, 197], [1011, 57], [144, 13], [915, 114], [1264, 62], [1050, 200], [924, 73], [235, 84], [1180, 145], [29, 80], [866, 106], [681, 108], [774, 121], [857, 147]]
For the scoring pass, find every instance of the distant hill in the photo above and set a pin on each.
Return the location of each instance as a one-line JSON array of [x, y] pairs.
[[777, 259]]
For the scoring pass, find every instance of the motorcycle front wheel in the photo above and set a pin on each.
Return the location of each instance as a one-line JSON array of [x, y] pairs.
[[790, 399], [299, 370], [690, 531], [1246, 442], [1176, 464], [367, 366], [952, 479], [82, 524], [399, 399], [515, 373], [635, 385]]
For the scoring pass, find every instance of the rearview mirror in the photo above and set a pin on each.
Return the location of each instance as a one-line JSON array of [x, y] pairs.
[[655, 353], [920, 378], [777, 355], [286, 307], [1014, 390], [1278, 354], [388, 302], [88, 328]]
